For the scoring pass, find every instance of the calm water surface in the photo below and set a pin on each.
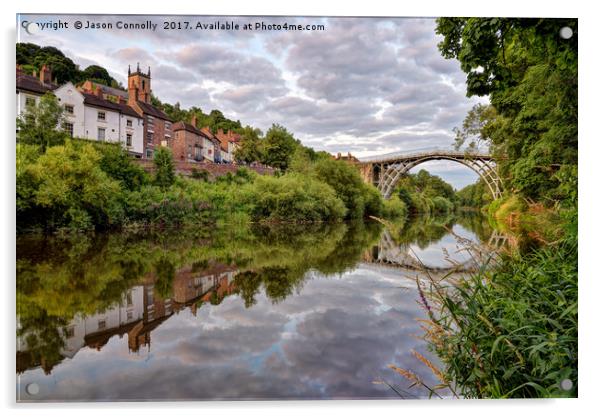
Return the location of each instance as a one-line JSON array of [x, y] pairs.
[[303, 312]]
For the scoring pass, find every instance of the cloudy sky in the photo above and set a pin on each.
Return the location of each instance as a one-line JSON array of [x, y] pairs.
[[367, 86]]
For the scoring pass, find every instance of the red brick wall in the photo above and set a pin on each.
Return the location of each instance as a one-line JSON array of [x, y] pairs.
[[215, 170], [182, 139]]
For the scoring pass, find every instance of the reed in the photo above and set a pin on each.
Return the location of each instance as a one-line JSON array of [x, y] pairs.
[[508, 330]]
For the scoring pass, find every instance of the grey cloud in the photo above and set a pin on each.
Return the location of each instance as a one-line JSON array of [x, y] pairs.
[[336, 79]]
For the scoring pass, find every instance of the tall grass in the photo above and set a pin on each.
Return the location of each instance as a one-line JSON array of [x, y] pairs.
[[508, 330]]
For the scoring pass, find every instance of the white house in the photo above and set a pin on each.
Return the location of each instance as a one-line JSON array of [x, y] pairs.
[[90, 116], [30, 87]]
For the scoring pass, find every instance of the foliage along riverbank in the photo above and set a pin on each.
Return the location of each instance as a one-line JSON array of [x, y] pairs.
[[511, 331], [70, 184]]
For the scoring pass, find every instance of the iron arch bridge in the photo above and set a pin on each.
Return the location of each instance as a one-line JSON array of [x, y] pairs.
[[386, 170], [388, 253]]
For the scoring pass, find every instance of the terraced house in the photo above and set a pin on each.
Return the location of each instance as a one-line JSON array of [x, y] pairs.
[[99, 112], [87, 114]]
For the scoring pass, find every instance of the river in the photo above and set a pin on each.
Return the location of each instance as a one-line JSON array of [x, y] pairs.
[[278, 312]]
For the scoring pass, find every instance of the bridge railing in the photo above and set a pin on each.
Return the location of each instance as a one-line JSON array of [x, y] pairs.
[[432, 152]]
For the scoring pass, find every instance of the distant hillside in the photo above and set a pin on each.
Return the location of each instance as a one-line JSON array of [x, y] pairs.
[[32, 57]]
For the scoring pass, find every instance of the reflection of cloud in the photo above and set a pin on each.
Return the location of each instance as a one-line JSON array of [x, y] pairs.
[[332, 340]]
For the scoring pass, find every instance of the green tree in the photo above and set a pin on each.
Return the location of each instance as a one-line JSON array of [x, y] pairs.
[[349, 186], [278, 147], [474, 134], [39, 124], [250, 147], [98, 74], [118, 165], [165, 171], [530, 74]]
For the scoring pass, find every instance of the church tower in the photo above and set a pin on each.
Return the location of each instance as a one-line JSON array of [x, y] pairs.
[[139, 85]]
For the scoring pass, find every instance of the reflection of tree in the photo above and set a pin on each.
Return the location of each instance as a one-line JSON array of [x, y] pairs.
[[247, 284], [427, 230], [424, 230], [166, 272], [58, 278], [347, 253], [44, 338], [476, 223]]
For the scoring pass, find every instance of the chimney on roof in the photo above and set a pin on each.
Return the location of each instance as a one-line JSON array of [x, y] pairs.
[[122, 100], [193, 120], [45, 74], [98, 92], [338, 155]]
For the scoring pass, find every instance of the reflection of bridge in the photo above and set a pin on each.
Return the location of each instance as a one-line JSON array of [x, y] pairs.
[[389, 253], [385, 171]]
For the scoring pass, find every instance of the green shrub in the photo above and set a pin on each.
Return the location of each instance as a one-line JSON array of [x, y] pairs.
[[65, 187], [395, 208], [165, 172], [293, 197], [349, 187], [197, 174], [442, 205]]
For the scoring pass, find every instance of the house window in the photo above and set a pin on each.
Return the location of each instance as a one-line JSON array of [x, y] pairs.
[[102, 116], [130, 315], [149, 154], [167, 126], [128, 140], [149, 137], [101, 133], [68, 127], [30, 101], [68, 109], [102, 324], [128, 298], [128, 123], [70, 332]]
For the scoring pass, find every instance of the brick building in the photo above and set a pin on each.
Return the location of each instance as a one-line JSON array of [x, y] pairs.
[[157, 125], [228, 144]]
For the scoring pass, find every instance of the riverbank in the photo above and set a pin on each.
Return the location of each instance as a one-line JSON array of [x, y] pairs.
[[81, 186]]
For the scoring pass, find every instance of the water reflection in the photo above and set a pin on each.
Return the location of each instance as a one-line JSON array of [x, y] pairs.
[[267, 312]]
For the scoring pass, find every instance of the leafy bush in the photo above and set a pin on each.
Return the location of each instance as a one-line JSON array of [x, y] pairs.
[[165, 173], [197, 174], [359, 199], [293, 197], [118, 165], [395, 208], [65, 187]]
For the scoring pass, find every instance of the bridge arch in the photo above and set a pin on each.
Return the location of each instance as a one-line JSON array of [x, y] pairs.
[[386, 171]]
